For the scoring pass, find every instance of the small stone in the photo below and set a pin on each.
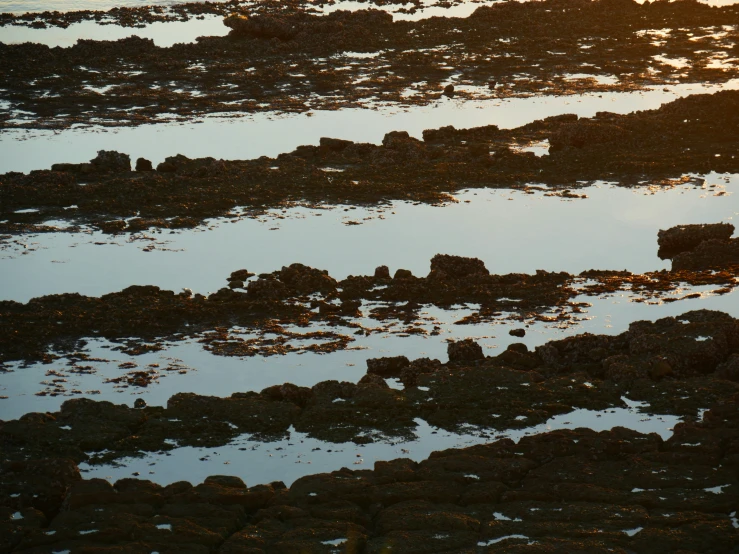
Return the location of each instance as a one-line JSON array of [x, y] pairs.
[[517, 332], [403, 274], [142, 164], [229, 481], [139, 403], [382, 272], [449, 91]]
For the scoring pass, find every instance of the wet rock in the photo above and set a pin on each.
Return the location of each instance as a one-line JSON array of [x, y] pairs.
[[449, 91], [442, 134], [41, 484], [110, 161], [139, 403], [288, 392], [402, 274], [382, 272], [729, 369], [409, 375], [465, 350], [142, 164], [517, 332], [586, 134], [113, 227], [682, 238], [228, 481], [333, 144], [709, 254], [166, 167], [371, 379], [240, 275], [267, 289], [306, 280], [260, 26], [395, 138], [388, 366], [478, 149], [458, 267]]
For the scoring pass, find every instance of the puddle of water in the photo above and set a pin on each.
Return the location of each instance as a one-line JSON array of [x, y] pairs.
[[245, 137], [163, 34], [614, 228], [299, 455], [221, 376], [24, 6]]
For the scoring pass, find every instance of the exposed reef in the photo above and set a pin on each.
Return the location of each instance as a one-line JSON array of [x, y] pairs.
[[562, 491], [656, 147], [296, 62]]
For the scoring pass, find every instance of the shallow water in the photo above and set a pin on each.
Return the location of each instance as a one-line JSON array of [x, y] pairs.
[[185, 366], [461, 10], [511, 231], [252, 136], [300, 455], [163, 34]]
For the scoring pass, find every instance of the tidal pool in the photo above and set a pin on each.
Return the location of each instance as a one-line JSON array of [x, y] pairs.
[[511, 231], [300, 455], [238, 136]]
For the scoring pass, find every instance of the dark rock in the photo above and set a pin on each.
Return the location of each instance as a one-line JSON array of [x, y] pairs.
[[449, 91], [240, 275], [729, 369], [682, 238], [371, 379], [409, 375], [142, 164], [395, 137], [709, 254], [478, 149], [388, 366], [333, 144], [166, 167], [229, 481], [382, 272], [458, 267], [465, 350], [402, 274], [519, 347], [586, 134], [517, 332], [442, 134], [108, 161], [306, 280], [260, 26], [139, 403]]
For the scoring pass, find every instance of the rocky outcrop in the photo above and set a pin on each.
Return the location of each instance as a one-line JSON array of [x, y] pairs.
[[682, 238]]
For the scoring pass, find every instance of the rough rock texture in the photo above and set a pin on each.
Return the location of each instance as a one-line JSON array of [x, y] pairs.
[[184, 191], [562, 491], [682, 238], [712, 253], [465, 350]]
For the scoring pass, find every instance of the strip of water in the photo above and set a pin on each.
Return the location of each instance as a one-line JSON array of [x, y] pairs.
[[511, 231], [234, 136]]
